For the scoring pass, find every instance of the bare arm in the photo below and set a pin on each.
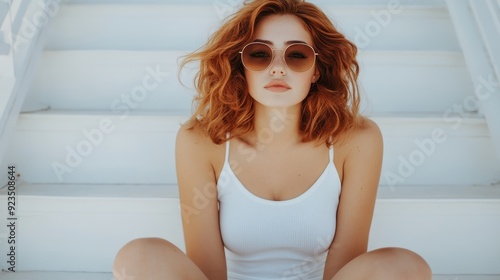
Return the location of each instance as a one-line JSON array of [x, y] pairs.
[[362, 168], [199, 205]]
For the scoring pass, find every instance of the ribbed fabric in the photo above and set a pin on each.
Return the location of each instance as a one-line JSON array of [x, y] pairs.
[[271, 240]]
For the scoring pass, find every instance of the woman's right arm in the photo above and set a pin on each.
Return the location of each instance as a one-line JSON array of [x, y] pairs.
[[199, 205]]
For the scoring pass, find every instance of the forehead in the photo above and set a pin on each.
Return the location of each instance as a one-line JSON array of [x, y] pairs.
[[279, 29]]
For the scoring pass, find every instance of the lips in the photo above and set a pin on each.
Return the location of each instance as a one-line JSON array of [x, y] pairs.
[[278, 86]]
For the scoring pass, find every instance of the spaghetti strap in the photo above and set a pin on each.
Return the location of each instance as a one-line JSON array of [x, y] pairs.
[[331, 150], [226, 157], [331, 153]]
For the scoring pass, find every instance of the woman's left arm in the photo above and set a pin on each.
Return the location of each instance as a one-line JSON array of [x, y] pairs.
[[361, 175]]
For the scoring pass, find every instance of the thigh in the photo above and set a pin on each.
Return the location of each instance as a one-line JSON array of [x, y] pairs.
[[154, 259], [386, 264]]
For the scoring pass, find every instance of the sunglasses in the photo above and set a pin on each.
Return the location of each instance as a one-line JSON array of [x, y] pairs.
[[298, 57]]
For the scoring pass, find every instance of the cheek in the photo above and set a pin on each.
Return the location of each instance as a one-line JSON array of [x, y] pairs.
[[304, 83], [304, 89], [252, 79]]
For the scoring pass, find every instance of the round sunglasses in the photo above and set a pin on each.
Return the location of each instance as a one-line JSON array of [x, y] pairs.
[[298, 57]]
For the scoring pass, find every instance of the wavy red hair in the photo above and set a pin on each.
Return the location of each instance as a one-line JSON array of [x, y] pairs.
[[223, 104]]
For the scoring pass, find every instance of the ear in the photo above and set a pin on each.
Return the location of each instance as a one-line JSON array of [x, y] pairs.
[[315, 77]]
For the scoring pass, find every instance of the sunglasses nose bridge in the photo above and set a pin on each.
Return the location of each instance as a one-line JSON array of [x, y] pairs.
[[278, 55]]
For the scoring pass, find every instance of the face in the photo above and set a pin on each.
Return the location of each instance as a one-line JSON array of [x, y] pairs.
[[278, 85]]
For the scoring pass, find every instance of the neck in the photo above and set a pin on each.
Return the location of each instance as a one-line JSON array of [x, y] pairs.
[[276, 127]]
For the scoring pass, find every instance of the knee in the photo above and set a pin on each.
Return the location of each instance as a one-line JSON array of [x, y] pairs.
[[405, 264], [141, 250]]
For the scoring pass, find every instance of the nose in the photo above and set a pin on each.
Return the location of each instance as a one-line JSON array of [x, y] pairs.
[[278, 65]]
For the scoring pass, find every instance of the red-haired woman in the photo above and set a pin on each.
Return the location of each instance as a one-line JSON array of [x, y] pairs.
[[277, 171]]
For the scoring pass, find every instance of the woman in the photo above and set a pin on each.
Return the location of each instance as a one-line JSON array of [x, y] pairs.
[[277, 171]]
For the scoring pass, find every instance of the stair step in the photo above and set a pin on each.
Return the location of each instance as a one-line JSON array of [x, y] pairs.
[[39, 275], [105, 148], [391, 81], [433, 3], [440, 193], [162, 25], [455, 228], [109, 276]]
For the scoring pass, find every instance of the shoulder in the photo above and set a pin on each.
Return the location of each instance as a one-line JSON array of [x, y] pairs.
[[191, 133], [192, 142], [192, 137], [360, 148], [364, 136], [366, 133]]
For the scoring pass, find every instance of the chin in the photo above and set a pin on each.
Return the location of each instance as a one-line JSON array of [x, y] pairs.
[[278, 100]]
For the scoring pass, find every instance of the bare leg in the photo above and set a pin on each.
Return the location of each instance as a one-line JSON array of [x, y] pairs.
[[386, 264], [154, 259]]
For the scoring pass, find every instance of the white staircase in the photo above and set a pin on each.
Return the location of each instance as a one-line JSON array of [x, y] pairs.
[[93, 147]]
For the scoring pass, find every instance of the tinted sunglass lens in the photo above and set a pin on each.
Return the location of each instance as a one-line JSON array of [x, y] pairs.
[[299, 57], [257, 57]]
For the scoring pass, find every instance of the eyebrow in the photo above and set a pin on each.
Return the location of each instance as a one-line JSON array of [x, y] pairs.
[[286, 43]]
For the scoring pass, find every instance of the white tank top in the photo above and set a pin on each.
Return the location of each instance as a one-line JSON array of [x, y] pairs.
[[267, 239]]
